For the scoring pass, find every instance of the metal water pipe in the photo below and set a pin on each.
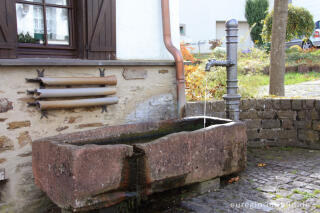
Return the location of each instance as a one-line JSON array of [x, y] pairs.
[[232, 97]]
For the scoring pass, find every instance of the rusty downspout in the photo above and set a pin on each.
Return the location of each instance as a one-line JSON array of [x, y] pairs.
[[177, 57]]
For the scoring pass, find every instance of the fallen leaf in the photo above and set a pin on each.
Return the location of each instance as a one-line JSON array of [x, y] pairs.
[[261, 164], [234, 179]]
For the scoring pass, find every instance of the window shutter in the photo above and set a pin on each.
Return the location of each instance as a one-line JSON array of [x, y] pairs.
[[101, 24], [8, 30]]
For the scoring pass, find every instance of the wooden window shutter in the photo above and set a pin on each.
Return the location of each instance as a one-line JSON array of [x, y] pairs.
[[8, 29], [101, 28]]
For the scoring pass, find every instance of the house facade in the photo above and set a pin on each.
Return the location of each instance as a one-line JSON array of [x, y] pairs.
[[204, 20], [76, 39]]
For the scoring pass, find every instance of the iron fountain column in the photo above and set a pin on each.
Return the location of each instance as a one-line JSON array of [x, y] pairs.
[[232, 97]]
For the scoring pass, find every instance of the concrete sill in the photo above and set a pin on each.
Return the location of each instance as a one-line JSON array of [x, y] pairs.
[[23, 62]]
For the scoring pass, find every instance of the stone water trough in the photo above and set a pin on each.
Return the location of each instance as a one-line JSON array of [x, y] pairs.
[[103, 167]]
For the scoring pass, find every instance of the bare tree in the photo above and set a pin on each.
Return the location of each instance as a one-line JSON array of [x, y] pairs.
[[278, 60]]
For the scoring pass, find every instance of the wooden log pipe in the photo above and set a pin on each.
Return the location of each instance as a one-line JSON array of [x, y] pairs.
[[73, 92], [63, 81], [66, 104]]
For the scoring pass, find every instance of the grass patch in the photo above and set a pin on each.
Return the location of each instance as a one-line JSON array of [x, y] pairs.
[[290, 78], [259, 189], [296, 78], [203, 56], [306, 195], [251, 66], [286, 148], [250, 83], [277, 196], [316, 192]]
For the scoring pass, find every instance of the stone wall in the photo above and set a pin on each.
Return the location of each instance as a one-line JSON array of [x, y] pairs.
[[302, 68], [152, 97], [273, 122]]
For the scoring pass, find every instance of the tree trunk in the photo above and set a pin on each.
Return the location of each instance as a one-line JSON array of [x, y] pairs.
[[277, 59]]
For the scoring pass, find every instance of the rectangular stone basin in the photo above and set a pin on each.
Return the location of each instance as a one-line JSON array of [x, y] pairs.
[[103, 167]]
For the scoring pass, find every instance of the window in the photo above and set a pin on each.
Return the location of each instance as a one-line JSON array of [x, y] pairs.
[[44, 25], [182, 29], [57, 28], [317, 25]]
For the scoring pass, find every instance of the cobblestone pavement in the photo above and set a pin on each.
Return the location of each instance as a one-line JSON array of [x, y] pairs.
[[288, 182], [310, 89]]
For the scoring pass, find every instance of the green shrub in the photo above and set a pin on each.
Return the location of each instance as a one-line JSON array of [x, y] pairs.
[[217, 82], [255, 12], [219, 53], [253, 61], [315, 53], [300, 24], [296, 48], [296, 56]]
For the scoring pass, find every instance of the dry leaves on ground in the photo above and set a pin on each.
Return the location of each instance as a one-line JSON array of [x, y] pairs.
[[234, 179]]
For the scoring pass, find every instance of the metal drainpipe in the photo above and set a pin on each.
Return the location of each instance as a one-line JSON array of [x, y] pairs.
[[177, 57]]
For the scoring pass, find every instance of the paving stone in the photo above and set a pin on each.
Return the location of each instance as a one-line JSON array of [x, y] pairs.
[[316, 175], [283, 179], [258, 206], [196, 207], [305, 179], [268, 196], [267, 189], [271, 189], [284, 202], [303, 173], [297, 197], [284, 193], [305, 190], [317, 182]]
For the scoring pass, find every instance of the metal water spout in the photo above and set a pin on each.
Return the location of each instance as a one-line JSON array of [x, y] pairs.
[[232, 97]]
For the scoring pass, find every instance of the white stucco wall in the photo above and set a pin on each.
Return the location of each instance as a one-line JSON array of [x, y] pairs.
[[139, 29], [200, 16]]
